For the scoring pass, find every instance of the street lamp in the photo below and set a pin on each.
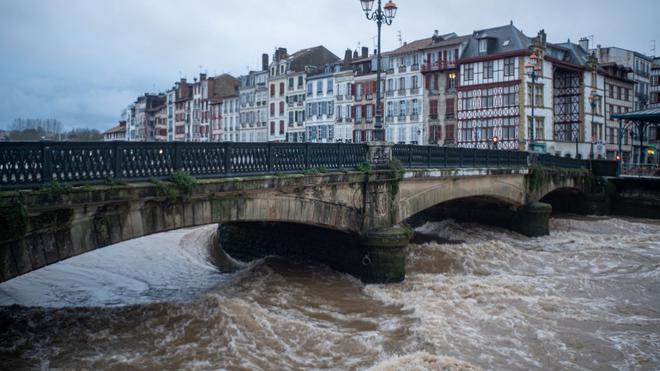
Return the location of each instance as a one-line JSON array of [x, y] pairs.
[[593, 99], [496, 140], [532, 68], [380, 15]]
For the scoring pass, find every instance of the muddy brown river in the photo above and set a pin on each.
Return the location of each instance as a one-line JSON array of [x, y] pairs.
[[587, 297]]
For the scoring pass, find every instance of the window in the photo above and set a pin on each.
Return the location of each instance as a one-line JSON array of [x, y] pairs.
[[468, 71], [402, 108], [291, 118], [310, 88], [618, 92], [272, 128], [483, 46], [272, 109], [538, 94], [449, 132], [538, 127], [300, 82], [488, 70], [370, 112], [272, 90], [415, 107], [415, 82], [290, 83], [358, 113], [509, 67], [281, 127], [281, 108], [433, 109], [449, 103], [331, 85], [281, 89], [319, 87], [451, 81], [390, 109]]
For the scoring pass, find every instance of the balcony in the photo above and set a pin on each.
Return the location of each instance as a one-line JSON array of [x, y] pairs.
[[450, 115], [339, 97], [358, 98], [402, 118], [389, 93], [414, 67], [339, 120], [390, 71], [389, 119], [438, 66], [401, 92], [370, 96], [433, 116], [348, 97], [403, 69], [414, 117], [414, 91]]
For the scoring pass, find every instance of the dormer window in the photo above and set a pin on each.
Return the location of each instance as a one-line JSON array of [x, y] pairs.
[[483, 46]]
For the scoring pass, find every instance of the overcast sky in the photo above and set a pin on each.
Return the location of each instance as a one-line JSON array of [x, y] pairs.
[[83, 61]]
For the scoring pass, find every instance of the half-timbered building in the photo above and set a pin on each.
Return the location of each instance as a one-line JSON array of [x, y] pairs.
[[496, 92]]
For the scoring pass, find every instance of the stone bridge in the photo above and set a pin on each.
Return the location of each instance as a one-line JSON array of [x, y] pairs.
[[363, 210]]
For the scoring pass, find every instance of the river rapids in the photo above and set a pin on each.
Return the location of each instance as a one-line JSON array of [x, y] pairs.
[[586, 297]]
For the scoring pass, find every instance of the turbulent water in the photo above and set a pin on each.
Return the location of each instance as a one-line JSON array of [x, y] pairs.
[[585, 297]]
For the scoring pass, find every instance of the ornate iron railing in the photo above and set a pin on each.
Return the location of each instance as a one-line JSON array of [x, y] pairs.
[[412, 156], [32, 164]]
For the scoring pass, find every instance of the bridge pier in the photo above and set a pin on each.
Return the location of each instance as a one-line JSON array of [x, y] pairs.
[[385, 254], [533, 219]]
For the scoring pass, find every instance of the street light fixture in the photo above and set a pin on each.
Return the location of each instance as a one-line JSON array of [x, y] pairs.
[[532, 68], [380, 15]]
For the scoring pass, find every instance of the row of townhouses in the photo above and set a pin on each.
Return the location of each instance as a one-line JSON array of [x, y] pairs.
[[472, 91]]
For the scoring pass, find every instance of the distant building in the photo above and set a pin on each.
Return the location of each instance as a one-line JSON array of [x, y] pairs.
[[640, 66], [495, 95], [618, 99], [253, 93], [290, 70], [344, 99], [404, 96], [364, 96], [115, 133], [654, 101], [182, 111], [224, 108]]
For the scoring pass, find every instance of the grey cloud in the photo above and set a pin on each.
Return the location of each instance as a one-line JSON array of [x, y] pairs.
[[83, 61]]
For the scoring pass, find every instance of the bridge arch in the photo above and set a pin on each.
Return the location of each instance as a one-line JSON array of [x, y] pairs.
[[419, 195]]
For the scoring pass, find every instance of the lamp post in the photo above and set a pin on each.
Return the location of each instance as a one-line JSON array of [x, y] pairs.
[[382, 14], [532, 68], [593, 99]]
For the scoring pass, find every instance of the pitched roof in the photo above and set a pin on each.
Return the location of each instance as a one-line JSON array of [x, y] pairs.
[[429, 43], [506, 39], [223, 86], [117, 129], [316, 56]]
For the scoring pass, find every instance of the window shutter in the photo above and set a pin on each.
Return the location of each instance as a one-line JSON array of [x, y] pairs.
[[353, 112]]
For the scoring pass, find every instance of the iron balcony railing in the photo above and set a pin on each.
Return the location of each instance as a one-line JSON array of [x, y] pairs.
[[34, 164], [438, 66]]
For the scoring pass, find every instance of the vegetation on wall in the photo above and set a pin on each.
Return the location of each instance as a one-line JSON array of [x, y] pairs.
[[13, 218]]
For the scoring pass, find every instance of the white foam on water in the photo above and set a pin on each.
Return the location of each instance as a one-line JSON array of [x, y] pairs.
[[163, 266]]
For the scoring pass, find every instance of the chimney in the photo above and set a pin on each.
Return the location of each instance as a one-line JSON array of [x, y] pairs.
[[365, 52], [280, 54], [264, 62], [584, 43], [348, 58]]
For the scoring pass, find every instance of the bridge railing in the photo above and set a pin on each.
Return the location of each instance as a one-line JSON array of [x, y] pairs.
[[31, 164], [414, 156], [562, 162]]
